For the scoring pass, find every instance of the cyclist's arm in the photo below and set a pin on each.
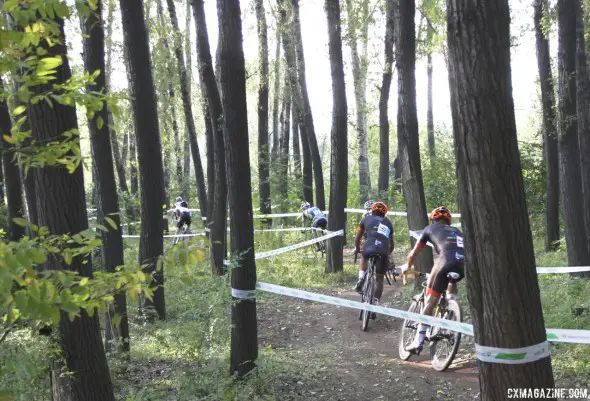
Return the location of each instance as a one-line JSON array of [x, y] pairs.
[[420, 244], [359, 234], [391, 243]]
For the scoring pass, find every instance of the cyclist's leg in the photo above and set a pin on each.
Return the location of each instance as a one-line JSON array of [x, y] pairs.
[[452, 286], [362, 271], [380, 269]]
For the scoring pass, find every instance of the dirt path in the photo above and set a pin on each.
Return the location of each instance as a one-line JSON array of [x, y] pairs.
[[357, 365]]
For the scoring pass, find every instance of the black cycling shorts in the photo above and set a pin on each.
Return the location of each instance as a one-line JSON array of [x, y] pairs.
[[320, 222], [381, 264], [185, 218], [445, 264]]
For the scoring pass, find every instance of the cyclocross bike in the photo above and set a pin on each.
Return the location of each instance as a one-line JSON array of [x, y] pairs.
[[319, 246], [368, 290], [444, 344], [180, 234]]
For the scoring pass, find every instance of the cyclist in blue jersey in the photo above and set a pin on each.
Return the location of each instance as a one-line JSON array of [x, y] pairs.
[[317, 217]]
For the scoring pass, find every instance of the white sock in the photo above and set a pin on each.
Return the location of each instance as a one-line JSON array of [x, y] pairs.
[[451, 296], [422, 332], [362, 274]]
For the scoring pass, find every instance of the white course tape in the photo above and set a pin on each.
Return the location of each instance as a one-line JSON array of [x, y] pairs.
[[272, 230], [168, 236], [512, 356], [564, 269], [243, 294], [553, 335]]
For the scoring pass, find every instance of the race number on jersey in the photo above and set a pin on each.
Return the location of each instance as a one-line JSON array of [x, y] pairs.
[[383, 230]]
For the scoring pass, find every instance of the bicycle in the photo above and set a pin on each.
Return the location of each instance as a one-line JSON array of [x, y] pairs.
[[368, 290], [448, 309], [391, 273], [183, 230], [321, 245]]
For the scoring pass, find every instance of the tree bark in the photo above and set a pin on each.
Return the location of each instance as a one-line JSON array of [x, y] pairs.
[[62, 209], [359, 77], [217, 222], [339, 161], [549, 126], [244, 347], [283, 158], [429, 109], [490, 178], [276, 96], [384, 101], [306, 108], [149, 149], [296, 147], [210, 158], [307, 183], [186, 143], [188, 110], [108, 202], [15, 206], [569, 152], [583, 112], [407, 124], [263, 149]]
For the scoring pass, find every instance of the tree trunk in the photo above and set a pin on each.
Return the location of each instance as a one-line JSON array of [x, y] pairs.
[[62, 209], [307, 183], [549, 126], [283, 159], [429, 111], [359, 79], [276, 96], [569, 152], [407, 124], [306, 108], [217, 222], [339, 164], [133, 173], [2, 180], [149, 149], [210, 157], [15, 206], [186, 143], [263, 150], [296, 148], [583, 112], [244, 347], [488, 159], [108, 202], [188, 110], [384, 102], [118, 159]]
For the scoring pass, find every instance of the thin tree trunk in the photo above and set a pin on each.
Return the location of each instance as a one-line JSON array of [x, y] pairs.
[[549, 126], [307, 183], [62, 209], [2, 180], [184, 182], [339, 164], [133, 163], [232, 77], [145, 115], [276, 96], [263, 149], [359, 79], [306, 108], [296, 148], [108, 202], [583, 112], [407, 124], [569, 152], [179, 156], [210, 157], [188, 110], [217, 222], [384, 102], [15, 206], [283, 159], [429, 108], [488, 159]]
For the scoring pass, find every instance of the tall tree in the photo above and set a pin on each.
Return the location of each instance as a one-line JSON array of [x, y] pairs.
[[15, 206], [305, 108], [188, 110], [263, 149], [541, 8], [276, 95], [296, 148], [149, 149], [187, 151], [100, 145], [307, 182], [407, 122], [79, 339], [339, 164], [283, 157], [583, 111], [217, 220], [384, 101], [429, 108], [358, 28], [569, 152], [488, 159], [232, 77]]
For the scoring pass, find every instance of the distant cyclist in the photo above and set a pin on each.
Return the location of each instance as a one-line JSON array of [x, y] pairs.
[[448, 243], [368, 205], [182, 213], [317, 217], [379, 241]]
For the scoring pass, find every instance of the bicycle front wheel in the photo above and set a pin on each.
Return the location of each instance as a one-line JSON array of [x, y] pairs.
[[408, 331], [368, 296], [446, 344]]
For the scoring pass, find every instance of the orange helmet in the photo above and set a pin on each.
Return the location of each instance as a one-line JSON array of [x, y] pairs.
[[441, 212], [380, 207]]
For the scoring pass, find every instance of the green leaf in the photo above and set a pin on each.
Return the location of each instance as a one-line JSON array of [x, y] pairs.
[[99, 122], [116, 320], [8, 139], [19, 110], [102, 228], [67, 256], [84, 281], [50, 63], [111, 222], [20, 221]]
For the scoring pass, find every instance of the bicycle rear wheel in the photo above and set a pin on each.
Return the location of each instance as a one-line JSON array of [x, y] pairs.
[[409, 330], [446, 344], [368, 295]]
